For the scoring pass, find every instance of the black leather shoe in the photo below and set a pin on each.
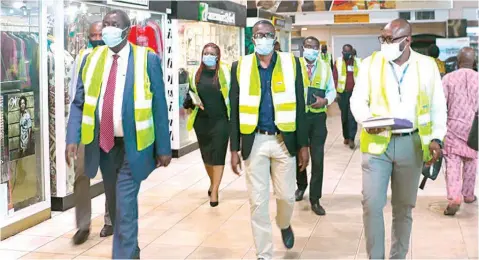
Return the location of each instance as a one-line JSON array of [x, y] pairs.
[[299, 194], [288, 237], [81, 236], [318, 209], [352, 145], [106, 231]]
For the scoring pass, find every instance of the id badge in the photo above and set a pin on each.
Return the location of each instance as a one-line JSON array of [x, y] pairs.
[[350, 68]]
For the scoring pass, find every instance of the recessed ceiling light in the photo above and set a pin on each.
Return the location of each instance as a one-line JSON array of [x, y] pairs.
[[304, 29]]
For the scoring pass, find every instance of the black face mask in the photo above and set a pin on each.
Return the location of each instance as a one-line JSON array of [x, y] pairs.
[[347, 55], [324, 51], [97, 43]]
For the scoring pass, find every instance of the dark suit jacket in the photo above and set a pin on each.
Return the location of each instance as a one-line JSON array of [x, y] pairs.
[[293, 141], [142, 163]]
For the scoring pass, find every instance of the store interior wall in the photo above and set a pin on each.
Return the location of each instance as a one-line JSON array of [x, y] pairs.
[[326, 33], [458, 6]]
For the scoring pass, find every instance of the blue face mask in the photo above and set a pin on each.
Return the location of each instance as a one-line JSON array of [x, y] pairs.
[[209, 60], [112, 36], [264, 46], [310, 54]]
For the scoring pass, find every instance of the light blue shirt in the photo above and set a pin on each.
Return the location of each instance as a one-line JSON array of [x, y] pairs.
[[330, 88]]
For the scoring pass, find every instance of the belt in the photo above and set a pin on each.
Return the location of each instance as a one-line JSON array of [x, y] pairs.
[[405, 134], [266, 132]]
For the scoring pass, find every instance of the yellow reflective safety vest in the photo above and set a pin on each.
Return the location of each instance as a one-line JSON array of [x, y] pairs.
[[81, 55], [283, 92], [320, 79], [224, 78], [379, 106], [326, 58], [342, 73], [92, 79]]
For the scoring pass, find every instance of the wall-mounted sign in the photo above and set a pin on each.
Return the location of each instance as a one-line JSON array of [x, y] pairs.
[[211, 14], [351, 18], [144, 4], [278, 22]]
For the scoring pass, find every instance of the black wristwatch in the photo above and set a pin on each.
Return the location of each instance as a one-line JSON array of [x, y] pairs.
[[439, 142]]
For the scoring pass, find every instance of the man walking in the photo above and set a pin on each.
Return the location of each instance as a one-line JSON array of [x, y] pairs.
[[345, 73], [326, 56], [81, 186], [119, 113], [267, 119], [319, 90], [400, 83], [460, 88]]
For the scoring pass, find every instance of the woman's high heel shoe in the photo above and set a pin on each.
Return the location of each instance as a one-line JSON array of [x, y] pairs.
[[214, 203]]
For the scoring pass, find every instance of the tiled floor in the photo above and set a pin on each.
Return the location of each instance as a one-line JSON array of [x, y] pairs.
[[176, 221]]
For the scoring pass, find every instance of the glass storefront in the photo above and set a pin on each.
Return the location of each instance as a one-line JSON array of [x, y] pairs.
[[21, 176], [22, 110], [193, 35], [71, 22]]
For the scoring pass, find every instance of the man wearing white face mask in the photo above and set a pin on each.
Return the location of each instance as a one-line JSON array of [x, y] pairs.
[[319, 93], [268, 126], [400, 83], [119, 113]]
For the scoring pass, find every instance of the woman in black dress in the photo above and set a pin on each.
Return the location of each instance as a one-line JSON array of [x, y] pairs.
[[211, 82]]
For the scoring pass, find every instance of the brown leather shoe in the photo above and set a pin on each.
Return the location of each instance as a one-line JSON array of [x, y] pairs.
[[346, 142]]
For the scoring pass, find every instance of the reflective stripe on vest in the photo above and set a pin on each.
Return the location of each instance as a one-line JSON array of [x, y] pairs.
[[342, 73], [92, 77], [283, 92], [322, 74], [379, 106], [224, 77]]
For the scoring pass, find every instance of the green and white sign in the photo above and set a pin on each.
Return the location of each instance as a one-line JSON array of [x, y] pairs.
[[211, 14]]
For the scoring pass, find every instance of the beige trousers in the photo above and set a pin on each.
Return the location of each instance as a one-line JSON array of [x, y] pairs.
[[269, 157]]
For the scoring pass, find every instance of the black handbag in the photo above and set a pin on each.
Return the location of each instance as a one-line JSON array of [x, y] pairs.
[[430, 172], [472, 141]]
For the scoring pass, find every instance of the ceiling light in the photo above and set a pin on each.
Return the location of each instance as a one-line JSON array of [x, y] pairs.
[[304, 29]]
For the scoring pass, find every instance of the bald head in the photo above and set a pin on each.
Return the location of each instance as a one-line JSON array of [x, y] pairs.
[[95, 31], [466, 57], [398, 27]]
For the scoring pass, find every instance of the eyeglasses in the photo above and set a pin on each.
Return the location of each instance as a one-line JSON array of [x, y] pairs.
[[314, 47], [269, 35], [388, 39]]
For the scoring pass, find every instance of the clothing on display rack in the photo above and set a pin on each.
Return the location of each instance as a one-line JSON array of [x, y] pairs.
[[54, 48], [147, 34], [19, 58]]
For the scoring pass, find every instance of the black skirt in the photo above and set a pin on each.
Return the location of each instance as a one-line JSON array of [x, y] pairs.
[[213, 135]]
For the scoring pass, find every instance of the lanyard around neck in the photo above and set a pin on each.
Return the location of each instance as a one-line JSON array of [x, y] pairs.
[[399, 80]]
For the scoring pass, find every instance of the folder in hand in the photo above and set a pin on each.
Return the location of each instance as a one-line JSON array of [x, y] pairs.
[[387, 122], [195, 98], [312, 92]]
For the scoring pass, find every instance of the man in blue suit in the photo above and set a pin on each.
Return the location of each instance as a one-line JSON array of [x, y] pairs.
[[120, 114]]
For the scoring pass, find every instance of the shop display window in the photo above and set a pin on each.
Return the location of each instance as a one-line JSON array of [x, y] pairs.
[[193, 36], [21, 178]]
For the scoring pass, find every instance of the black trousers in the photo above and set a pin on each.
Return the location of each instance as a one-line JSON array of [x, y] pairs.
[[350, 127], [317, 133]]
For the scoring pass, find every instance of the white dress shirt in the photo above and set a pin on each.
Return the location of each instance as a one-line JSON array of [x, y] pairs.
[[330, 89], [404, 105], [124, 54]]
